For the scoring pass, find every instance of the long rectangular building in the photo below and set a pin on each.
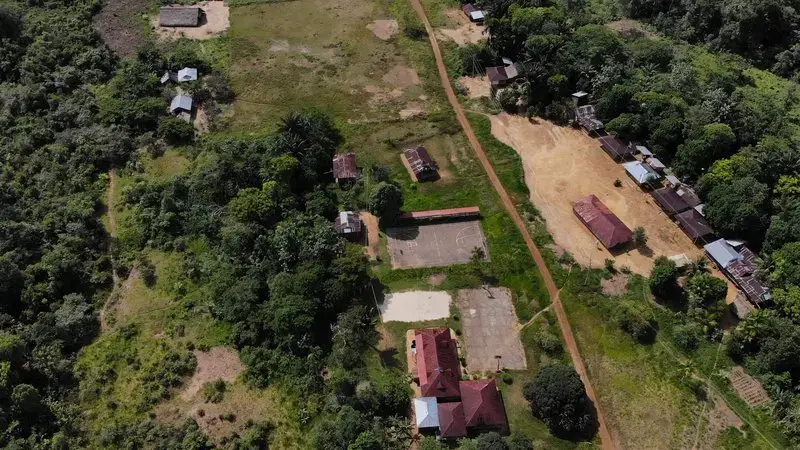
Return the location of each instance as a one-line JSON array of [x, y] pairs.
[[603, 223]]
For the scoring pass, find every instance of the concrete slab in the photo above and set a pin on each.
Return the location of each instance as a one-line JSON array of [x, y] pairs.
[[415, 306], [490, 329], [434, 245]]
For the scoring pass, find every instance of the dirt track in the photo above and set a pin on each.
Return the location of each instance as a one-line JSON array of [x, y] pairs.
[[558, 308]]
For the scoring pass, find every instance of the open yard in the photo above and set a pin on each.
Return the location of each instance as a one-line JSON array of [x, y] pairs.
[[490, 330], [563, 165], [434, 245], [415, 306], [337, 56]]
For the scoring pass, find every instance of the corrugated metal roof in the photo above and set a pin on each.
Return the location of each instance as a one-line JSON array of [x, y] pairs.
[[614, 147], [348, 222], [452, 422], [421, 162], [344, 166], [426, 412], [442, 213], [179, 16], [722, 253], [641, 172], [601, 221], [181, 102], [187, 74], [437, 363], [482, 404], [669, 201], [694, 224]]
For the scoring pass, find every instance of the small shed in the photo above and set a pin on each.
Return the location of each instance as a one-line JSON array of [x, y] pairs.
[[580, 98], [426, 413], [421, 163], [187, 74], [615, 148], [473, 13], [348, 224], [656, 164], [673, 180], [344, 167], [502, 75], [179, 16], [694, 225], [701, 209], [641, 150], [669, 201], [603, 223], [641, 172], [180, 103]]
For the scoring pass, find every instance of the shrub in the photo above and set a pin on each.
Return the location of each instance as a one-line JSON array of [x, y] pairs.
[[507, 378], [214, 392], [617, 183], [175, 131], [609, 264], [415, 31], [688, 336], [549, 343]]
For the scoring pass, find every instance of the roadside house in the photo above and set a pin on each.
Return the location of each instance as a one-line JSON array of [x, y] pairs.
[[502, 75], [179, 16], [641, 173], [586, 118], [348, 224], [694, 225], [473, 13], [601, 221]]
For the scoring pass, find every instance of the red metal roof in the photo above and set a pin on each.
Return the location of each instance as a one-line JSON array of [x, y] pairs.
[[482, 404], [437, 363], [601, 221], [344, 166], [452, 422], [440, 213]]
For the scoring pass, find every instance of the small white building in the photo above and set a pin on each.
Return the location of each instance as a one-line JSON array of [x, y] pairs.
[[426, 413], [641, 172]]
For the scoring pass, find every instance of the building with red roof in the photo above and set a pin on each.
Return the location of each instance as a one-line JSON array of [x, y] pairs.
[[438, 369], [601, 221], [483, 408], [452, 423]]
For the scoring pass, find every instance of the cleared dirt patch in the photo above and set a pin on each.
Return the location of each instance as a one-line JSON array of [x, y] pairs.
[[415, 306], [441, 244], [476, 86], [402, 77], [437, 280], [563, 165], [490, 330], [117, 22], [216, 22], [219, 363], [373, 234], [384, 29], [616, 285], [468, 33]]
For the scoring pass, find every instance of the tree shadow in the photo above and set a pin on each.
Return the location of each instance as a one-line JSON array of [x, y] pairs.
[[389, 358]]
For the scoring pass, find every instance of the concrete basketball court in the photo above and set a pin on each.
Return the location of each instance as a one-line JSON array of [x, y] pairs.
[[490, 329], [434, 245]]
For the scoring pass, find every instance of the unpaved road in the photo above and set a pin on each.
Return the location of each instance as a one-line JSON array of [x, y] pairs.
[[112, 232], [558, 308]]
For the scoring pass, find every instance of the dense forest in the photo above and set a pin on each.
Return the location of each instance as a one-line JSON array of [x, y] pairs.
[[721, 123]]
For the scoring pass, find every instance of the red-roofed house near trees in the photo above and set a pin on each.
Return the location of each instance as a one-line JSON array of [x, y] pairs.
[[483, 408], [438, 369], [601, 221]]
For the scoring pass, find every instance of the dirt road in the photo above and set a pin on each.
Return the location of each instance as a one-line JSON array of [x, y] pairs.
[[558, 308]]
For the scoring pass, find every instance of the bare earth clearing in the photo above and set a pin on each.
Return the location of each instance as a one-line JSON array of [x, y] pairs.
[[218, 363], [466, 33], [415, 306], [117, 22], [384, 29], [217, 21], [563, 165], [476, 86]]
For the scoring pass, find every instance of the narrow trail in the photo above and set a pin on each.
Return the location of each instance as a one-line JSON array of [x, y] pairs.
[[566, 330], [112, 232]]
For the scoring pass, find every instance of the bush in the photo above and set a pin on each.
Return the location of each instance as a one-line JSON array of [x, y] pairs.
[[415, 31], [688, 336], [214, 392], [147, 270], [175, 131], [507, 378], [549, 343], [558, 397]]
